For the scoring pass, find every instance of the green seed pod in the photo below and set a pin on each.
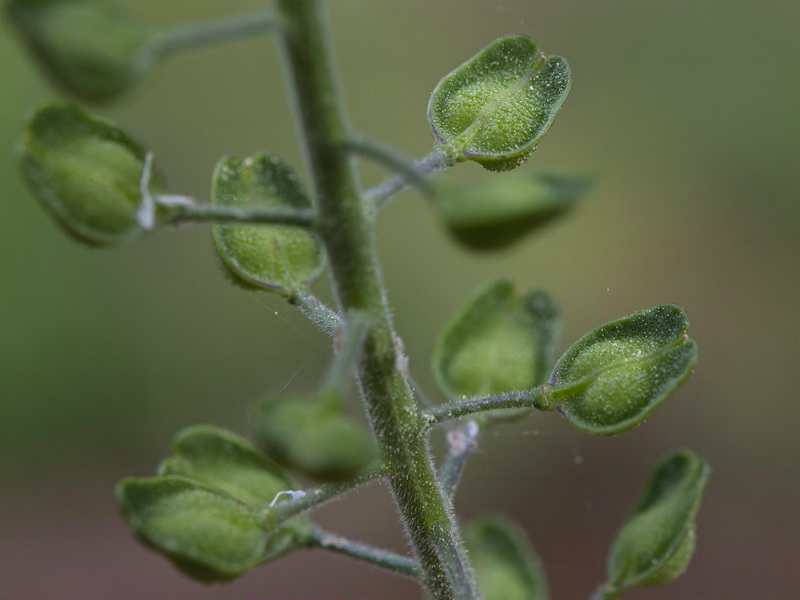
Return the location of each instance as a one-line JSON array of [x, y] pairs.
[[506, 566], [314, 436], [613, 378], [211, 470], [496, 107], [206, 533], [91, 48], [500, 342], [87, 173], [656, 544], [227, 461], [494, 213], [273, 257]]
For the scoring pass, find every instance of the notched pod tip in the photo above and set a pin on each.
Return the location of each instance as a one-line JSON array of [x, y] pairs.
[[495, 108]]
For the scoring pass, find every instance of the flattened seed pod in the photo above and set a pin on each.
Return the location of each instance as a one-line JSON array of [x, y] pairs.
[[496, 107], [273, 257], [87, 173]]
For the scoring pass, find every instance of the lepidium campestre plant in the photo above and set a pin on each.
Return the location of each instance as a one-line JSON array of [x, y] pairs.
[[221, 504]]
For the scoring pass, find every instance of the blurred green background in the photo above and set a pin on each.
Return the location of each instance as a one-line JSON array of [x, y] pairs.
[[685, 112]]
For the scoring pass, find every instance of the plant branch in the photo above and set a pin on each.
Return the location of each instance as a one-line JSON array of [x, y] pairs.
[[348, 235], [300, 502], [355, 329], [381, 558], [533, 399], [199, 35], [461, 443], [181, 213], [390, 158], [316, 311], [383, 193]]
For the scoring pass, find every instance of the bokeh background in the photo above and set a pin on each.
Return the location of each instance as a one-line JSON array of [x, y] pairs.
[[685, 112]]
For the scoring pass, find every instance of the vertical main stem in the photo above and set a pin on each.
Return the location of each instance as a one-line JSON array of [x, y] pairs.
[[348, 235]]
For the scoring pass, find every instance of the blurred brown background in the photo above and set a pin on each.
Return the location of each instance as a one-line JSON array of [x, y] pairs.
[[686, 114]]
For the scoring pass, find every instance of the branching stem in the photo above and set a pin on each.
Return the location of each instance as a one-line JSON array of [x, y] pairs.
[[390, 158], [182, 213], [533, 399], [348, 236], [462, 442], [316, 311], [198, 35], [348, 353], [381, 558], [315, 497], [385, 192]]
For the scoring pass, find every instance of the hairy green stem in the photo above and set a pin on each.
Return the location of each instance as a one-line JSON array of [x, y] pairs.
[[380, 195], [533, 399], [350, 343], [182, 213], [390, 158], [316, 311], [304, 500], [348, 236], [381, 558], [462, 442], [198, 35]]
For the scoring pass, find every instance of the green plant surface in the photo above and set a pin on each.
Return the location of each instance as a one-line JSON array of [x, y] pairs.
[[499, 343], [225, 460], [495, 214], [91, 48], [496, 107], [613, 378], [277, 257], [218, 508], [206, 533], [657, 542], [314, 436], [506, 566], [86, 172]]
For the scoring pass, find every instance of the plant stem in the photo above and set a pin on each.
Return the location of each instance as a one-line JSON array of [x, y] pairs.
[[198, 35], [381, 558], [390, 158], [316, 311], [355, 329], [316, 496], [380, 195], [236, 214], [348, 236], [462, 442], [533, 399]]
